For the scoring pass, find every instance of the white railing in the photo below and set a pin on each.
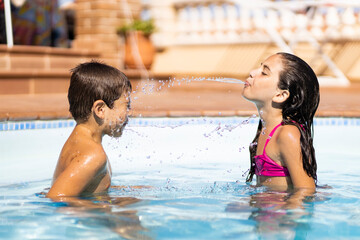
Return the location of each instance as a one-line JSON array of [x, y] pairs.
[[195, 22], [249, 21]]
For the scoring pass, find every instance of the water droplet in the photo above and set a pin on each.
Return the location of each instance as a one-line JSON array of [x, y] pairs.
[[244, 173], [241, 148]]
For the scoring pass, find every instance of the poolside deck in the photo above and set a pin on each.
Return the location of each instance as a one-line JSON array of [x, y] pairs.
[[194, 99]]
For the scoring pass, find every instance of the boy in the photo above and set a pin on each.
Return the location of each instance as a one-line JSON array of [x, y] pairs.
[[99, 98]]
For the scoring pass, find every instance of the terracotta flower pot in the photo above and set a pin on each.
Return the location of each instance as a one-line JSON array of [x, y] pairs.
[[139, 51]]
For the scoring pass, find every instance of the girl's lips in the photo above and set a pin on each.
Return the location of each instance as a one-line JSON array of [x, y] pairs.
[[247, 84]]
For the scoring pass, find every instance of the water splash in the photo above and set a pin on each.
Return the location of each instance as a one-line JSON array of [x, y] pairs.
[[245, 173], [220, 79], [227, 127], [253, 144], [152, 86]]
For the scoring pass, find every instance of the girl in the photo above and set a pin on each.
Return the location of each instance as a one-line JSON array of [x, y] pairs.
[[285, 91]]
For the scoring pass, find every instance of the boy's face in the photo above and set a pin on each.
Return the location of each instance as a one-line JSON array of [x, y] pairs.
[[117, 117]]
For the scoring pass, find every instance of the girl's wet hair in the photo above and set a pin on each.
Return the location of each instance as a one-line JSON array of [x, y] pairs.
[[93, 81], [299, 109]]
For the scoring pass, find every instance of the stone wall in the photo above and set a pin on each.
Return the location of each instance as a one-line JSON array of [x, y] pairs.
[[96, 22]]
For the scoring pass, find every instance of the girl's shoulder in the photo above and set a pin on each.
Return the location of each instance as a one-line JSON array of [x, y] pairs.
[[288, 134]]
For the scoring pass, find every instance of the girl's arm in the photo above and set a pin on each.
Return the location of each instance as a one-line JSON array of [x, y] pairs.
[[290, 153]]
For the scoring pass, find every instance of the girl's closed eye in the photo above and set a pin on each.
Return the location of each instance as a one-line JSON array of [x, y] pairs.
[[263, 73]]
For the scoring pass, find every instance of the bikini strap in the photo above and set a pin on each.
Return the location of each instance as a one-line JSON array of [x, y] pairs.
[[296, 123], [271, 134]]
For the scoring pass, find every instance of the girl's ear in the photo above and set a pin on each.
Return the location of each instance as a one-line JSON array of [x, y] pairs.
[[99, 109], [281, 96]]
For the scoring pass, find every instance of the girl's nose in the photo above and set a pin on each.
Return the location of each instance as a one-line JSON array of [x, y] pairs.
[[252, 73]]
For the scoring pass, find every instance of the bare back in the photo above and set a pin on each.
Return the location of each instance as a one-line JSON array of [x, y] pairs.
[[82, 167]]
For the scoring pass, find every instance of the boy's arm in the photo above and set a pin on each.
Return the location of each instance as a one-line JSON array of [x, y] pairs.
[[76, 177], [290, 150]]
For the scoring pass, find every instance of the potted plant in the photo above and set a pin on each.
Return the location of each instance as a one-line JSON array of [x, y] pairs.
[[139, 50]]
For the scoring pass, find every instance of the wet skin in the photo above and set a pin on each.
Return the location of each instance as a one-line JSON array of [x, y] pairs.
[[83, 166], [284, 147]]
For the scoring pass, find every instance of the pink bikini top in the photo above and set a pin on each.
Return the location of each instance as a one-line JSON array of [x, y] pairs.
[[265, 166]]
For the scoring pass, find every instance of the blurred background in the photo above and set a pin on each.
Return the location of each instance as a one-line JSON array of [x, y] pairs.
[[162, 39]]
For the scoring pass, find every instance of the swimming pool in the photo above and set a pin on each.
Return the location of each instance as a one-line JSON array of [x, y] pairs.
[[196, 167]]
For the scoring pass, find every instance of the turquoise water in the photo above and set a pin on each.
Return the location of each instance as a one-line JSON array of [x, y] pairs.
[[196, 172]]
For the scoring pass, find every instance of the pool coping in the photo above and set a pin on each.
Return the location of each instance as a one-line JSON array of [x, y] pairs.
[[178, 102], [167, 122], [174, 114]]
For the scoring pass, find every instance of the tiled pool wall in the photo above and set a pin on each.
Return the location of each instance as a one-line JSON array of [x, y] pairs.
[[143, 122]]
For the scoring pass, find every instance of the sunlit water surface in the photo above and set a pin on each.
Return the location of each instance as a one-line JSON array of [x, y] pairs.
[[194, 171]]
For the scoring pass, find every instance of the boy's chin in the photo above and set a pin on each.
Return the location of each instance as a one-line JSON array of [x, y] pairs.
[[116, 134]]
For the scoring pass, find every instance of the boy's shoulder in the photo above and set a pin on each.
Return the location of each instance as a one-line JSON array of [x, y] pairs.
[[90, 156], [84, 148]]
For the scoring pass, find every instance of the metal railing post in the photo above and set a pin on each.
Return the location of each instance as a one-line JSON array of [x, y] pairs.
[[8, 24]]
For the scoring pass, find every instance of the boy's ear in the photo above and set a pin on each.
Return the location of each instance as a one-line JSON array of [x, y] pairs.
[[281, 96], [99, 109]]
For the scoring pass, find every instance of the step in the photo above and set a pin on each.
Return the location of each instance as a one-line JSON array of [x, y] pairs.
[[27, 81], [42, 58]]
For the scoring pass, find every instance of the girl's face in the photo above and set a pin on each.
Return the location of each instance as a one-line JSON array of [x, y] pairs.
[[261, 85], [117, 117]]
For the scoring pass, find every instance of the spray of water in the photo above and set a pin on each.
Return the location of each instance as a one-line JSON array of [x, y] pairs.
[[221, 129], [220, 79], [153, 86]]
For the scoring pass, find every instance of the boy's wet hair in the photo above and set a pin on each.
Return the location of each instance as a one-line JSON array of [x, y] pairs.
[[93, 81]]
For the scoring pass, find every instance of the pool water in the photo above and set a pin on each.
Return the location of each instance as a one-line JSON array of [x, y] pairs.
[[191, 177]]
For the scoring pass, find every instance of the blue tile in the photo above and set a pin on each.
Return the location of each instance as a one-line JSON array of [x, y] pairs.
[[171, 122]]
